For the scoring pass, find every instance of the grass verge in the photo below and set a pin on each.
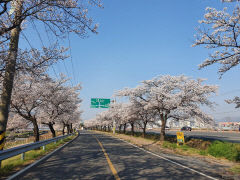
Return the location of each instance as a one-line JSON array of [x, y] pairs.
[[235, 169], [13, 164]]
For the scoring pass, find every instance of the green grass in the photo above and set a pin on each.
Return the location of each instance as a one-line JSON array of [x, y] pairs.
[[15, 162], [227, 150], [235, 169], [169, 145]]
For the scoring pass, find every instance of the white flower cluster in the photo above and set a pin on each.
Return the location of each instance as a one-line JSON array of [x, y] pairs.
[[222, 33]]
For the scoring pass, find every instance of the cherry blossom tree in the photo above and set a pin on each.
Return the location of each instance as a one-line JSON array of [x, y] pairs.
[[236, 101], [70, 120], [145, 117], [176, 97], [128, 116], [16, 122], [220, 33], [59, 17], [117, 114], [27, 99], [59, 101]]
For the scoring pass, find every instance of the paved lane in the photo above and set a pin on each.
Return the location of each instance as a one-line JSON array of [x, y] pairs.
[[208, 135], [84, 159], [133, 163], [81, 159]]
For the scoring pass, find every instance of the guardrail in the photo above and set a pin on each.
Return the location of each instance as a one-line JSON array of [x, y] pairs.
[[5, 154]]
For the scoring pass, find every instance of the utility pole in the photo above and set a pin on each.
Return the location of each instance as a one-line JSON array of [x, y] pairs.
[[114, 121]]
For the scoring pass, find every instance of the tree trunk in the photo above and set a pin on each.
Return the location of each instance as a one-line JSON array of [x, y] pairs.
[[50, 125], [35, 130], [120, 128], [144, 129], [124, 128], [68, 129], [63, 130], [9, 75], [132, 128], [71, 129], [163, 120]]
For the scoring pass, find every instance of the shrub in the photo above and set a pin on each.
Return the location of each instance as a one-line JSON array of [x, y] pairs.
[[198, 144], [224, 149]]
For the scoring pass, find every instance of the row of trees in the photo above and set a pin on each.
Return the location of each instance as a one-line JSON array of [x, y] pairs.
[[56, 17], [43, 100], [159, 99], [154, 100]]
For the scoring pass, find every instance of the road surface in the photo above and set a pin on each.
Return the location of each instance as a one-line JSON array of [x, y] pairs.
[[209, 135], [97, 156]]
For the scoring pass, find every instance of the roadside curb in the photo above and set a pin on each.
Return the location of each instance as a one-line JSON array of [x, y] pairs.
[[40, 160]]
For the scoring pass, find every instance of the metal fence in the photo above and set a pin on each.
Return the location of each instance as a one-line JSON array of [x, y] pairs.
[[5, 154]]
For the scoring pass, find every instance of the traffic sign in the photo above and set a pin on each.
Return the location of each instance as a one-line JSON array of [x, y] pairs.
[[180, 138], [100, 103]]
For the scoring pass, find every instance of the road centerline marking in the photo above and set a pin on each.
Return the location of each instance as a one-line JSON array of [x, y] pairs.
[[114, 171]]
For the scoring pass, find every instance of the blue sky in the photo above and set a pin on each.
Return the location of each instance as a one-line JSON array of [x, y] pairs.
[[140, 39]]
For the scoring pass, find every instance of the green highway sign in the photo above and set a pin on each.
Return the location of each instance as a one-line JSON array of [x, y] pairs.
[[100, 103]]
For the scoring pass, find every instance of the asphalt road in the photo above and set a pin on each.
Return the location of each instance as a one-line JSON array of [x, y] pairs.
[[209, 135], [84, 158]]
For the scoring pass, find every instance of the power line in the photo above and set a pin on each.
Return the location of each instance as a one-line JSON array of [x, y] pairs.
[[229, 92], [63, 61], [40, 38], [35, 28], [225, 93], [225, 112], [70, 50], [34, 51], [67, 72]]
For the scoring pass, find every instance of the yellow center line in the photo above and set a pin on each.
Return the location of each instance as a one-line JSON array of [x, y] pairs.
[[114, 171]]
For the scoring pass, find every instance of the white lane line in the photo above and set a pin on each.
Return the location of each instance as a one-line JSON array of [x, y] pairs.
[[176, 163]]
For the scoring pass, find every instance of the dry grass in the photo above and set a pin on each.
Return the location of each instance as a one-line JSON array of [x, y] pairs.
[[11, 144]]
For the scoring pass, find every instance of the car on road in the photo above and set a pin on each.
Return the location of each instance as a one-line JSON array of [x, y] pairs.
[[186, 128]]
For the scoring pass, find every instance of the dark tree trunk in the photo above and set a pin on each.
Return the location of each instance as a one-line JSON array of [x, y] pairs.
[[71, 129], [132, 128], [63, 130], [124, 128], [50, 125], [120, 128], [68, 129], [9, 75], [35, 130], [164, 121], [144, 129]]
